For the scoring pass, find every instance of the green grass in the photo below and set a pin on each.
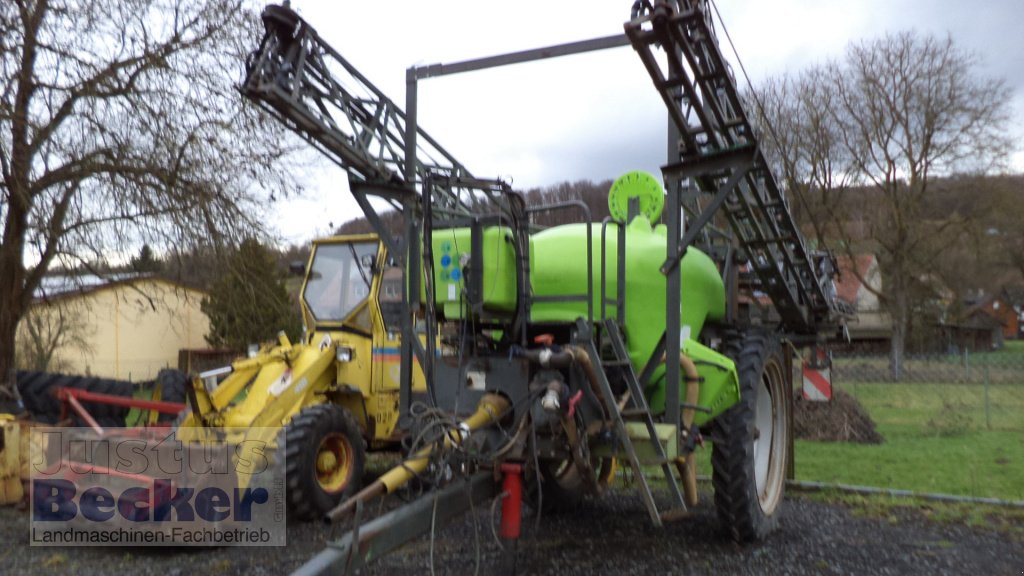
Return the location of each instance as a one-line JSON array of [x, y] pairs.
[[1012, 347], [937, 439]]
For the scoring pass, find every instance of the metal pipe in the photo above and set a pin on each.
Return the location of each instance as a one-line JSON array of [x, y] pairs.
[[812, 486], [569, 355], [386, 533], [555, 51], [125, 401], [82, 412]]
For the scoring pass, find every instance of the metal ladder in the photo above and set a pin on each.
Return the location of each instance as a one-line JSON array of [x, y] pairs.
[[636, 409], [719, 152]]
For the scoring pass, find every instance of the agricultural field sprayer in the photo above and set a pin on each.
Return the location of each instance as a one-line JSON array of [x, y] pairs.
[[552, 356]]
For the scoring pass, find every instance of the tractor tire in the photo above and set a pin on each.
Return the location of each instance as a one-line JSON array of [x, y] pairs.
[[38, 389], [324, 457], [751, 445], [173, 386]]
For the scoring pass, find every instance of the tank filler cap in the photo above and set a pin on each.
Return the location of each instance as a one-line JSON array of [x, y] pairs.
[[641, 185]]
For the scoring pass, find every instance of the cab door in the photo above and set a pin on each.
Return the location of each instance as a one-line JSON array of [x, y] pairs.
[[387, 335]]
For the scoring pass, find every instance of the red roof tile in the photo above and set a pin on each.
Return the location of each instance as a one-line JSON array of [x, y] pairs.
[[848, 284]]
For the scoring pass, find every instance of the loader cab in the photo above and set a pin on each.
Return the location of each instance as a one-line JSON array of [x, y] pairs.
[[352, 295], [339, 282]]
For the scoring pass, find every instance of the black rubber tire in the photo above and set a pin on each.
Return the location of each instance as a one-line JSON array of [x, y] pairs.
[[173, 384], [746, 512], [37, 394], [304, 435]]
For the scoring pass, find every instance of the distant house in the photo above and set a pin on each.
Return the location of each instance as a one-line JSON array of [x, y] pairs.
[[996, 307], [977, 332], [872, 327], [127, 327]]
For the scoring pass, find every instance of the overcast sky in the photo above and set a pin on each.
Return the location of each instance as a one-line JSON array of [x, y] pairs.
[[597, 115]]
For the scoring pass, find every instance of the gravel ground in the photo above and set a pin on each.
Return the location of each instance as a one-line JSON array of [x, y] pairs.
[[607, 536]]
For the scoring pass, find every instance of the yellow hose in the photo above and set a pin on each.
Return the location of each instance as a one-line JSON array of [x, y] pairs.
[[687, 466], [490, 409]]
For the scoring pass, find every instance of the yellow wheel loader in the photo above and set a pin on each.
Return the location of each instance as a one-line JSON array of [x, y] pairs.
[[336, 393]]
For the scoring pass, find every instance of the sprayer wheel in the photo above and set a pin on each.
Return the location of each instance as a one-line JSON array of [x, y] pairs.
[[324, 460], [751, 451]]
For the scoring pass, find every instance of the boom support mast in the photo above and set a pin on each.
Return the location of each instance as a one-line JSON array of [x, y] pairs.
[[718, 151]]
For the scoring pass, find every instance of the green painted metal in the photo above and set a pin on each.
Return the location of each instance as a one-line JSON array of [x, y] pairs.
[[452, 249], [643, 186], [558, 267], [719, 390]]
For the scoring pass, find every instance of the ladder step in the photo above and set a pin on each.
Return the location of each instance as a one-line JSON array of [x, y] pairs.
[[615, 363], [656, 449], [767, 241], [634, 412]]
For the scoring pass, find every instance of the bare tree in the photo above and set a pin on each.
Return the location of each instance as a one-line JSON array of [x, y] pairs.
[[50, 330], [120, 126], [862, 140], [1006, 228]]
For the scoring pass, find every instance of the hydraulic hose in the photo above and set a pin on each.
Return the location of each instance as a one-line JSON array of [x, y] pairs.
[[490, 409], [687, 465], [566, 358]]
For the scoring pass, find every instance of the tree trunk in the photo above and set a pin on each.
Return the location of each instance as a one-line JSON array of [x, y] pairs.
[[900, 321], [12, 292], [8, 332]]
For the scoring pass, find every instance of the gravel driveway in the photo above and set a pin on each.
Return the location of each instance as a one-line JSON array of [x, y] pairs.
[[607, 536]]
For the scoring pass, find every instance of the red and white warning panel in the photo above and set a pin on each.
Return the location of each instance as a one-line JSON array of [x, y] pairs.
[[817, 376]]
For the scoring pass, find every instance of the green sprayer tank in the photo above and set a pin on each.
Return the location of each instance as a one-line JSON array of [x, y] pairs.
[[558, 267]]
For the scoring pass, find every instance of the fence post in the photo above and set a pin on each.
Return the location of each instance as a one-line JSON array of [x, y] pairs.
[[988, 416], [967, 365]]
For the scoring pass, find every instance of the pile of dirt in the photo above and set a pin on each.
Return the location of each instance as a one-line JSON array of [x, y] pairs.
[[841, 420]]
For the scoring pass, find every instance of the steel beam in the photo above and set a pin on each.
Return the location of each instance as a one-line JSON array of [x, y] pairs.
[[400, 526], [567, 49]]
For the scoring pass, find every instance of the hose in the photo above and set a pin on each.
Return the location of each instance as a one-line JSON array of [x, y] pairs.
[[566, 358], [687, 465], [490, 409]]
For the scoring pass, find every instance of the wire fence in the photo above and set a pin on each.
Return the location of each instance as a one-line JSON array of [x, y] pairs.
[[964, 368], [949, 393]]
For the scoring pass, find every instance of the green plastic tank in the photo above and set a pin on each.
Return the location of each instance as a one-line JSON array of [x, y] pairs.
[[559, 266], [451, 248]]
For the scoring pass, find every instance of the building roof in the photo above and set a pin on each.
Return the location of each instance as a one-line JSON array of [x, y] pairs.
[[849, 284], [981, 307], [978, 319], [68, 285]]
